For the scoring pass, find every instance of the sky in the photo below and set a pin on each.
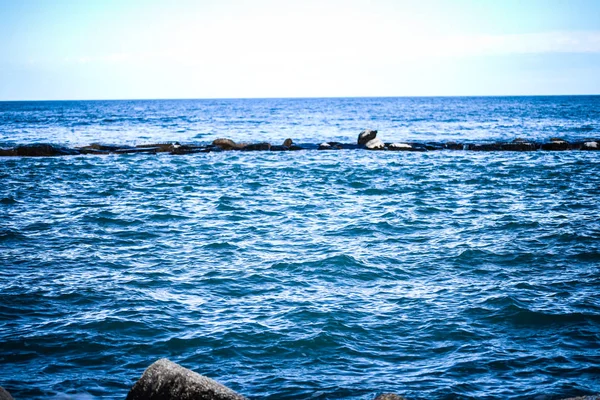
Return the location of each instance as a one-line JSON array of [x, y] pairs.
[[130, 49]]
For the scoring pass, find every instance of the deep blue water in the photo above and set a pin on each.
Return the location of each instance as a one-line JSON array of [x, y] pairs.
[[307, 274]]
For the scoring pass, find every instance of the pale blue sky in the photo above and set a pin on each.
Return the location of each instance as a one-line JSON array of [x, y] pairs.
[[89, 49]]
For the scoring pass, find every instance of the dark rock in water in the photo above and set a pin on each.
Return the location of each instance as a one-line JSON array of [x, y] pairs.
[[98, 148], [518, 146], [4, 395], [591, 145], [227, 144], [485, 147], [514, 146], [418, 147], [288, 142], [556, 145], [454, 146], [295, 148], [160, 147], [434, 146], [330, 146], [375, 144], [279, 148], [257, 147], [389, 396], [366, 136], [38, 150], [400, 147], [138, 150], [187, 149], [165, 380]]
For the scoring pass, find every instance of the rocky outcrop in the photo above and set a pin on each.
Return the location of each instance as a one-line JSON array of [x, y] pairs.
[[288, 142], [38, 150], [375, 144], [556, 144], [165, 380], [365, 136], [4, 395], [257, 147]]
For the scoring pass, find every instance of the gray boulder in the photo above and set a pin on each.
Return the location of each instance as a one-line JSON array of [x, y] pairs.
[[375, 144], [389, 396], [365, 136], [165, 380], [4, 395]]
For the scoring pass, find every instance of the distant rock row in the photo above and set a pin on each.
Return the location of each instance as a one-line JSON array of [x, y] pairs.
[[367, 140], [166, 380]]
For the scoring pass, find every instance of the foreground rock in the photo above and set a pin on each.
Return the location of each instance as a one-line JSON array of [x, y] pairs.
[[365, 136], [165, 380], [4, 395], [389, 396]]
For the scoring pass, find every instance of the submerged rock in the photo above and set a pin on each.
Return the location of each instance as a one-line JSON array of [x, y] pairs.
[[165, 380], [365, 136], [375, 144], [4, 395]]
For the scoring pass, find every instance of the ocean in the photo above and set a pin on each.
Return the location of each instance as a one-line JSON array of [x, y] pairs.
[[307, 274]]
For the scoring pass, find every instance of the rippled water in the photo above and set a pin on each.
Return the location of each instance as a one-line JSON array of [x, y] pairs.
[[79, 123], [310, 274]]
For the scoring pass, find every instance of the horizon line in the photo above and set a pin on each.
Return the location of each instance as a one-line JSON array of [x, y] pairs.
[[301, 97]]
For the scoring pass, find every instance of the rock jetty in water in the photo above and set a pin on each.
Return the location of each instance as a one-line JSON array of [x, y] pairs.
[[367, 140]]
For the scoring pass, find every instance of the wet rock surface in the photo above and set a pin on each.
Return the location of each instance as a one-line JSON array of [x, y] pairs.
[[165, 380], [389, 396], [4, 395]]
